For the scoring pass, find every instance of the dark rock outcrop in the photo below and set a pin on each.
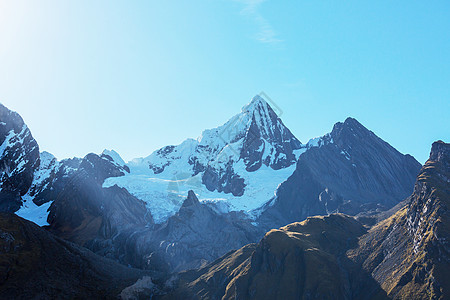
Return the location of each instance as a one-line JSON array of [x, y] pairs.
[[223, 180]]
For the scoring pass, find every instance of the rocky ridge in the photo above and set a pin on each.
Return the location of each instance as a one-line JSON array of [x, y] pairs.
[[19, 158], [350, 170]]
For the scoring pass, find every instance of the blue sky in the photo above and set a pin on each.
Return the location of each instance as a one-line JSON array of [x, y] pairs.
[[138, 75]]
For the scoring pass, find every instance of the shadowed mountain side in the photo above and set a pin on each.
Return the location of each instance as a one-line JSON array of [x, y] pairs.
[[84, 211], [113, 223], [34, 264], [191, 238], [350, 171]]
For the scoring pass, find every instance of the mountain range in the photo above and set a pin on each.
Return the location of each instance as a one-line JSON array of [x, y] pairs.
[[405, 256], [346, 204]]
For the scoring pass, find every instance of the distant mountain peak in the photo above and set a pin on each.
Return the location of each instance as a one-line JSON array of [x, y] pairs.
[[350, 170], [257, 113], [10, 120], [261, 114], [349, 123], [351, 131], [351, 120], [116, 158], [256, 103], [257, 129]]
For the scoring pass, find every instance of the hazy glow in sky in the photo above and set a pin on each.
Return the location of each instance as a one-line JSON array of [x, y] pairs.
[[138, 75]]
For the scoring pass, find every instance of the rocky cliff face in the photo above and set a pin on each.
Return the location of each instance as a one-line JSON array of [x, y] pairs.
[[350, 170], [408, 254], [197, 235], [428, 210], [19, 158]]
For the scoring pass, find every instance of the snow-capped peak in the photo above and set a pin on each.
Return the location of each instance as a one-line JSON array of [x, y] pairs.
[[46, 159], [256, 103], [257, 121], [256, 136], [228, 162], [115, 156], [239, 124]]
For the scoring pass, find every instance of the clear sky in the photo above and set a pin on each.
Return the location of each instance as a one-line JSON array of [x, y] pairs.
[[138, 75]]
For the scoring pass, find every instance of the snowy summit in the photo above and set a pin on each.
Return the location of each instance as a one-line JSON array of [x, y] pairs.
[[234, 167]]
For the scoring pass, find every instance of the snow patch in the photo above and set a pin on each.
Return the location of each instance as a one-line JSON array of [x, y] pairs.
[[345, 153], [31, 212], [314, 142]]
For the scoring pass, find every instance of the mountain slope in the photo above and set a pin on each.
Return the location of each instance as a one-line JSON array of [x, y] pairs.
[[350, 170], [197, 235], [34, 264], [19, 158], [84, 212], [192, 237], [409, 254], [303, 260]]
